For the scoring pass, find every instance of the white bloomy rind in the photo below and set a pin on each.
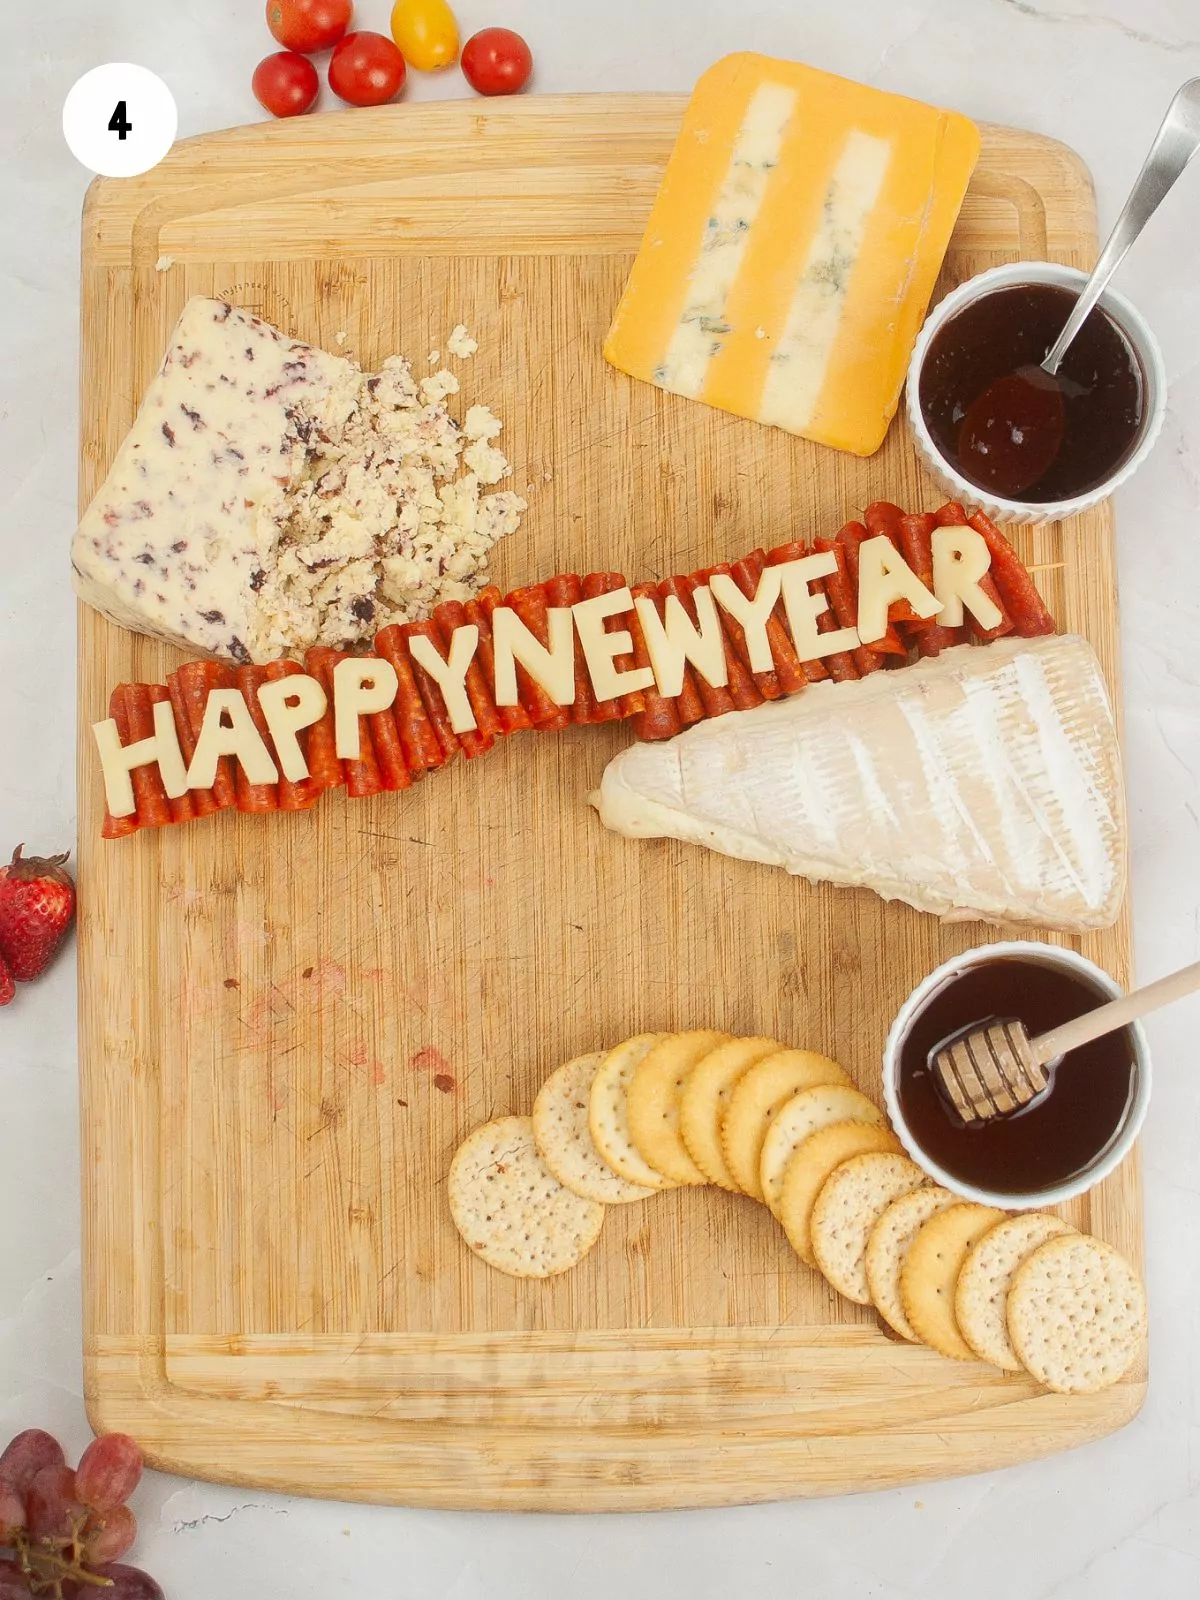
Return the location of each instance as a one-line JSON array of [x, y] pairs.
[[985, 783]]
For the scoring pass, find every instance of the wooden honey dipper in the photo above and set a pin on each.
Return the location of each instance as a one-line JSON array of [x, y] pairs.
[[990, 1071]]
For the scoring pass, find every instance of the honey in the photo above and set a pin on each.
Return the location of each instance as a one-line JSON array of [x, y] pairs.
[[1058, 1136]]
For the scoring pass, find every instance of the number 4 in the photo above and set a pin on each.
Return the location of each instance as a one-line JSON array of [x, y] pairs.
[[118, 122]]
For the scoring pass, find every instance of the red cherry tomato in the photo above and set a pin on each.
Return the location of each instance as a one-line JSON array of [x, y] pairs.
[[496, 61], [308, 25], [286, 84], [366, 69]]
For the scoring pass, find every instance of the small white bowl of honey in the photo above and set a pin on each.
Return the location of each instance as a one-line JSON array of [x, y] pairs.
[[1060, 1145]]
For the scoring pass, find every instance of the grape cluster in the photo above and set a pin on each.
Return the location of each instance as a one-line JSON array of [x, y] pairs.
[[63, 1532]]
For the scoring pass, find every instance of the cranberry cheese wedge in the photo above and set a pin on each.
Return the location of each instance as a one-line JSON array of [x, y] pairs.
[[272, 497], [179, 536]]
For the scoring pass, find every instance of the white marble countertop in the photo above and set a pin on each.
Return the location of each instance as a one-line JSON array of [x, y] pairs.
[[1116, 1517]]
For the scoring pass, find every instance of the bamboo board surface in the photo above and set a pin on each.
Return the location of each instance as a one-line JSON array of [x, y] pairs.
[[288, 1023]]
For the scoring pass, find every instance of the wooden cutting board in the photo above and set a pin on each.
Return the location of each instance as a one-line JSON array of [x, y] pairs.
[[287, 1024]]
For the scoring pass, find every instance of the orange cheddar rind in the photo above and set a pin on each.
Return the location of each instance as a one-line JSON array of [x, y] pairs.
[[793, 247]]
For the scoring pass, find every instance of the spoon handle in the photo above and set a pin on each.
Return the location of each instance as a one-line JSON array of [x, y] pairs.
[[1108, 1018], [1174, 146]]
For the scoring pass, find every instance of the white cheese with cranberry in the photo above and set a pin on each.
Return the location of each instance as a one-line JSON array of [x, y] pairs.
[[271, 496]]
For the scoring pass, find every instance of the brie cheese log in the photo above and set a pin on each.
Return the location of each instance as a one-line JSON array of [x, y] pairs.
[[983, 784]]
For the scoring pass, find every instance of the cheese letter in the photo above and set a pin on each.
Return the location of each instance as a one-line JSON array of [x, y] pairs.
[[553, 668], [601, 648], [674, 639], [803, 607], [117, 761], [228, 730], [290, 704], [752, 614], [361, 685], [883, 578], [450, 674], [960, 559]]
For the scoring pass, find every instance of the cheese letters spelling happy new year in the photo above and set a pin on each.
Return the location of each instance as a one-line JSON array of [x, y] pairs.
[[363, 685]]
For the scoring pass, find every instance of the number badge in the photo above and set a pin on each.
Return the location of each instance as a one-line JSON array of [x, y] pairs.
[[120, 120]]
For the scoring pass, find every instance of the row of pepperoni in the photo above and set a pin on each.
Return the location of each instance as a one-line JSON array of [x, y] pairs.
[[414, 735]]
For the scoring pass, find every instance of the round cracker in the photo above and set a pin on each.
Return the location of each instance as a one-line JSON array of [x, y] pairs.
[[1076, 1314], [608, 1112], [755, 1100], [654, 1094], [981, 1294], [887, 1248], [564, 1140], [930, 1273], [705, 1096], [511, 1209], [851, 1201], [813, 1164], [804, 1113]]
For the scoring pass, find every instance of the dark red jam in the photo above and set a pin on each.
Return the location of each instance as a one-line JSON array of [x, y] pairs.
[[1078, 436]]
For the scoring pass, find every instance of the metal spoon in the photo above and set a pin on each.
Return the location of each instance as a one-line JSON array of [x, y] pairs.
[[1016, 426]]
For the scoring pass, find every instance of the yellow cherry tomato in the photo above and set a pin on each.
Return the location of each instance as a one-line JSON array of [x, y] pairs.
[[426, 33]]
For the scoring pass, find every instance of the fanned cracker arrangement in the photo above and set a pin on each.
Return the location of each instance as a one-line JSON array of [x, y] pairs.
[[786, 1127]]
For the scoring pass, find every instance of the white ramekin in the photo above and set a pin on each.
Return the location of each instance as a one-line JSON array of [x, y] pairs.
[[1050, 955], [1137, 331]]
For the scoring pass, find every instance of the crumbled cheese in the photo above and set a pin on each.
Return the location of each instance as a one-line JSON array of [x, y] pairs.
[[270, 496], [395, 384], [384, 510], [434, 357], [498, 515], [488, 463], [480, 423], [438, 386], [460, 342], [164, 263], [341, 336]]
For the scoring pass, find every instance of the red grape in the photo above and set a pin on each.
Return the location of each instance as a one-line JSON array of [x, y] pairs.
[[12, 1512], [52, 1504], [128, 1583], [13, 1583], [108, 1471], [67, 1528], [109, 1536], [27, 1454]]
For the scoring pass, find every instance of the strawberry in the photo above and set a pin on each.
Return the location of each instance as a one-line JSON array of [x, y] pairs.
[[7, 987], [37, 903]]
